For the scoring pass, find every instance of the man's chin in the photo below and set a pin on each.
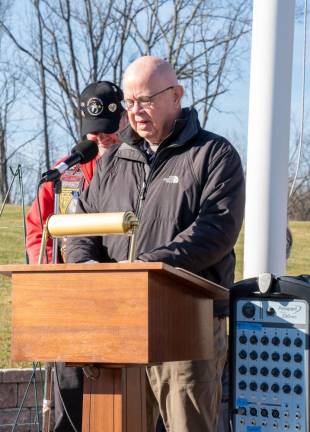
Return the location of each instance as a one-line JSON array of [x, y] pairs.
[[144, 133]]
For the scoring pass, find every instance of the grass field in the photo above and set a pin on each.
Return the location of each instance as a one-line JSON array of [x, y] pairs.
[[12, 251]]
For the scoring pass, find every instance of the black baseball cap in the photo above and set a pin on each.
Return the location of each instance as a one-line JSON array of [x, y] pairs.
[[101, 107]]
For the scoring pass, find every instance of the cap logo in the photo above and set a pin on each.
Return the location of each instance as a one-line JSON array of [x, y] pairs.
[[112, 107], [94, 106]]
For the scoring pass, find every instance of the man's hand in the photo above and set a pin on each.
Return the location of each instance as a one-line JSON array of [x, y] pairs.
[[126, 261]]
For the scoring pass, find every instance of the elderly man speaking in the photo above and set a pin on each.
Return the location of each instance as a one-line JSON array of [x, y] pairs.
[[186, 185]]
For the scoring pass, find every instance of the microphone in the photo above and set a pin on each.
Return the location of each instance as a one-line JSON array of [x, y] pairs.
[[82, 153]]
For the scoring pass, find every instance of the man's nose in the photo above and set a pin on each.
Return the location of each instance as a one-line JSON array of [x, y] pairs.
[[136, 107]]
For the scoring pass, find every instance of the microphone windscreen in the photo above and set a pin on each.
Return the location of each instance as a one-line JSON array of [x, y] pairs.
[[87, 149]]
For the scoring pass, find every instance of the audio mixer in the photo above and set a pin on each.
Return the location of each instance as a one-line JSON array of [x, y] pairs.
[[270, 363]]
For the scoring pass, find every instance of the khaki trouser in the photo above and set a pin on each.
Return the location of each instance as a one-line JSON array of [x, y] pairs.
[[223, 425], [188, 393]]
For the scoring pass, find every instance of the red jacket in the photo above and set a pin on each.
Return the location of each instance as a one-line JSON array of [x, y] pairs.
[[46, 196]]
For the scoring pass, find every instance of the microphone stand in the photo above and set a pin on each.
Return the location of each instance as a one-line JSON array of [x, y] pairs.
[[57, 192], [48, 381]]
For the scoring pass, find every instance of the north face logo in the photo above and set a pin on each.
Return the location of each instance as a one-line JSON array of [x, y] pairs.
[[171, 179]]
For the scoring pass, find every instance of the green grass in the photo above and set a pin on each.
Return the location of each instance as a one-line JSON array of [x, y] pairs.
[[299, 260], [12, 251]]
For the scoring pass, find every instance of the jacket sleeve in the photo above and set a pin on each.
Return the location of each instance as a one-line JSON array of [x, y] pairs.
[[33, 224], [215, 230]]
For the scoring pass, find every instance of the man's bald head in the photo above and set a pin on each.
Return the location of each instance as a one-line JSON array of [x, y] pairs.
[[154, 80], [148, 69]]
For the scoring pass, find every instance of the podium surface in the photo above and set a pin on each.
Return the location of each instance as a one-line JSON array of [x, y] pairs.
[[127, 313], [114, 315]]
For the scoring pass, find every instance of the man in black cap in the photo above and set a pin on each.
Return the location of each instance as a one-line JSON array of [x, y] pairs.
[[101, 112]]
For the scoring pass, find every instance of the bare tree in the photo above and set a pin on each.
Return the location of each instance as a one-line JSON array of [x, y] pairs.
[[299, 199], [42, 83], [77, 42], [7, 99], [200, 39]]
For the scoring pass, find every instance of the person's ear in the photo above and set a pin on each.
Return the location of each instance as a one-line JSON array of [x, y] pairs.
[[178, 94]]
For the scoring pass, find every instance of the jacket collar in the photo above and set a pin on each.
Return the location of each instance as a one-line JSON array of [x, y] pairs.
[[185, 128]]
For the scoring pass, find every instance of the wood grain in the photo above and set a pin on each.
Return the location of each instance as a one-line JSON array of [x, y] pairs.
[[102, 402], [89, 317], [211, 289], [109, 313], [180, 320], [115, 401]]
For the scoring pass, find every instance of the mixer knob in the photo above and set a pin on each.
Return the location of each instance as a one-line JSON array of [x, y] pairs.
[[264, 387], [298, 389], [264, 355], [298, 358], [253, 386], [275, 340], [298, 373], [264, 371], [253, 355], [275, 356], [242, 354], [287, 357], [248, 310], [271, 311], [275, 372], [242, 385], [242, 370], [286, 388], [243, 339], [298, 342], [286, 373], [253, 340], [275, 388], [253, 370]]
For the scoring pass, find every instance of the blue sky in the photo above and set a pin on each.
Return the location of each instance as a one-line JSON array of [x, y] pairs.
[[233, 118], [235, 102]]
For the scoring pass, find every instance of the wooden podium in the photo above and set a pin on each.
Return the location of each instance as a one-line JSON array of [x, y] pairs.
[[116, 316]]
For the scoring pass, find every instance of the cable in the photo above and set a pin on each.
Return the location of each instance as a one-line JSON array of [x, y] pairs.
[[301, 138], [14, 174], [41, 219], [21, 188], [32, 379]]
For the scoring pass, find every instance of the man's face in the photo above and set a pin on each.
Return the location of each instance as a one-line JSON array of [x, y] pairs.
[[152, 121], [104, 141]]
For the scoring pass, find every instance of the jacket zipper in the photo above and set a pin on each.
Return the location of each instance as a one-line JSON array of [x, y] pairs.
[[146, 182], [141, 199]]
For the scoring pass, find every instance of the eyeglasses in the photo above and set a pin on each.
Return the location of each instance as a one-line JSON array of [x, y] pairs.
[[143, 101], [102, 134]]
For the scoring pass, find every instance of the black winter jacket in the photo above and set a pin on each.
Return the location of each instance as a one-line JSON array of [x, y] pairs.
[[191, 200]]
